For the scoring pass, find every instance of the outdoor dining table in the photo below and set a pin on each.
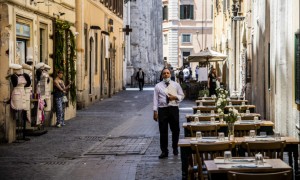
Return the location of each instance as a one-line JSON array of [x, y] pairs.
[[238, 107], [217, 169], [186, 151], [211, 98], [213, 102], [265, 126], [207, 116]]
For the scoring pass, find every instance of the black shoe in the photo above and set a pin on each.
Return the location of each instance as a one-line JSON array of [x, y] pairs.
[[163, 155], [175, 152]]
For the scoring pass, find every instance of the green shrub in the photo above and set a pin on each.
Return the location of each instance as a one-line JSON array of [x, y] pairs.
[[202, 92]]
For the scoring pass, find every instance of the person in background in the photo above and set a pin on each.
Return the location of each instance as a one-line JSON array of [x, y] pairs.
[[191, 74], [60, 90], [212, 82], [166, 111], [172, 74], [197, 72], [186, 73], [180, 76], [140, 76]]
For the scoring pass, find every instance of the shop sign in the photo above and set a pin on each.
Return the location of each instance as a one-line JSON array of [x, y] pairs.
[[23, 30]]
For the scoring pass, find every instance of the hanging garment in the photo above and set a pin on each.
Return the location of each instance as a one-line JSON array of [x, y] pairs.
[[18, 95]]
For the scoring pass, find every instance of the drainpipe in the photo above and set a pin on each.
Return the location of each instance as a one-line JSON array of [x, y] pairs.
[[80, 51]]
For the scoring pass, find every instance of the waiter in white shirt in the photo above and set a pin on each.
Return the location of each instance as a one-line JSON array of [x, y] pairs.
[[167, 95]]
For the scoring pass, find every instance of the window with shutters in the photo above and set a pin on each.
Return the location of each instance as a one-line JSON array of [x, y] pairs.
[[165, 13], [186, 11], [297, 68]]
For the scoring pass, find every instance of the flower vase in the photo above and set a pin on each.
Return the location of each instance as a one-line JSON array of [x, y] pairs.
[[230, 126]]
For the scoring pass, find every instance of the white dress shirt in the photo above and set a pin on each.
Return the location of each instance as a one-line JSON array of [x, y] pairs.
[[159, 98]]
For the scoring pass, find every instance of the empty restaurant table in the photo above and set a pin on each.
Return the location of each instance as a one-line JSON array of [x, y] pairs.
[[218, 169], [212, 98], [185, 150], [240, 108], [213, 102], [207, 116], [264, 126]]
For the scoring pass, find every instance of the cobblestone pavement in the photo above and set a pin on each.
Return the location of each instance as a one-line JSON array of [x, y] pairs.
[[65, 153]]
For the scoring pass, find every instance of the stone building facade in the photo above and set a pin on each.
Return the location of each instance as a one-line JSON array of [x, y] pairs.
[[144, 43], [187, 29]]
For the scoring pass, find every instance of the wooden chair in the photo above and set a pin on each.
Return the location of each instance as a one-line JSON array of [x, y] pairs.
[[247, 117], [241, 130], [204, 109], [203, 118], [208, 151], [208, 103], [283, 175], [271, 149], [237, 102], [206, 130], [242, 109]]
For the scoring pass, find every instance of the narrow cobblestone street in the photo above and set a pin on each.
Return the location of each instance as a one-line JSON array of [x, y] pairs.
[[113, 139]]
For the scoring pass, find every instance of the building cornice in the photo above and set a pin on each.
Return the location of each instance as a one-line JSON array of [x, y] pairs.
[[187, 28]]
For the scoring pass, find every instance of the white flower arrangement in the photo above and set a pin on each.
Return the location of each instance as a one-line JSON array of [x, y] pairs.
[[221, 101], [232, 115]]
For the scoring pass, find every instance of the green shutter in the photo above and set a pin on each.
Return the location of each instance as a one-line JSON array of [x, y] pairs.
[[181, 11], [191, 12], [167, 13]]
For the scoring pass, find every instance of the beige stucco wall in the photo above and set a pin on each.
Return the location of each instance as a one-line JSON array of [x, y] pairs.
[[223, 42], [200, 29], [94, 13]]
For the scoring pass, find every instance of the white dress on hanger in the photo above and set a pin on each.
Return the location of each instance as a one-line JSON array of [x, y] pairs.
[[18, 95]]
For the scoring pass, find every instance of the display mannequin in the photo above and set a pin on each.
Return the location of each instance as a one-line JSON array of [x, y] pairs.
[[18, 101], [18, 98]]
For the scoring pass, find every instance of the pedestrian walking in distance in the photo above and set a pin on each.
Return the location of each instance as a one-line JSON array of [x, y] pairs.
[[212, 82], [140, 76], [167, 95]]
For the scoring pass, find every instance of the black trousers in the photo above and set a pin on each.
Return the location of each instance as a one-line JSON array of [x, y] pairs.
[[212, 91], [168, 115], [141, 84]]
